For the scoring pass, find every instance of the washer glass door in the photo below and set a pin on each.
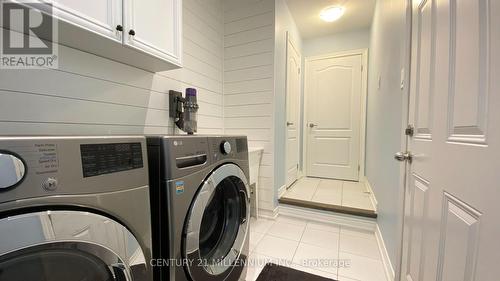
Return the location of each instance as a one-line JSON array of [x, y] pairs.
[[69, 246], [54, 263], [217, 225]]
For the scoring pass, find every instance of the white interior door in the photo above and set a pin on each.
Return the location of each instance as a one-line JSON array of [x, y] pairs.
[[293, 111], [452, 221], [334, 100]]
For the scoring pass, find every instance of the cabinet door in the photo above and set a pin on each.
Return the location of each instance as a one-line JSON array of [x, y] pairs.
[[154, 27], [98, 16]]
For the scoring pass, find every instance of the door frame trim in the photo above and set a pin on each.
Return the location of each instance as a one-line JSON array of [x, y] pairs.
[[291, 40], [404, 170], [364, 97]]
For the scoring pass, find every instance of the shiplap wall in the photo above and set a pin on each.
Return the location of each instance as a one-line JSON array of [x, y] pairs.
[[93, 95], [249, 82]]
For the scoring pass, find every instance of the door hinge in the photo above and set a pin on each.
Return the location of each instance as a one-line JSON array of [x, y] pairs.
[[362, 68], [299, 70], [359, 168], [410, 130]]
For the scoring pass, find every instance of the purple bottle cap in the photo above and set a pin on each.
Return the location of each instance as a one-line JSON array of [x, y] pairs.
[[191, 92]]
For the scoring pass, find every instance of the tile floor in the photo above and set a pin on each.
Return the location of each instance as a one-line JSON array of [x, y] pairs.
[[316, 248], [333, 192]]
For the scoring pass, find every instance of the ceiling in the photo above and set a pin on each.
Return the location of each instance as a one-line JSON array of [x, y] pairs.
[[358, 15]]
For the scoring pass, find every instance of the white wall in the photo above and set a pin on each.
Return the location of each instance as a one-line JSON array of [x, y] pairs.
[[249, 83], [384, 117], [93, 95], [352, 40], [284, 23]]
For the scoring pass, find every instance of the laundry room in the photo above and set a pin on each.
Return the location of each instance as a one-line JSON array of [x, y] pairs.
[[249, 140]]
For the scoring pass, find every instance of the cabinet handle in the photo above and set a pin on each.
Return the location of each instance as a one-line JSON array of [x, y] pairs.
[[131, 32], [119, 28]]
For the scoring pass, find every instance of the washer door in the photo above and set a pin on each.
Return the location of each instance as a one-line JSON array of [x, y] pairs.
[[217, 225], [69, 246]]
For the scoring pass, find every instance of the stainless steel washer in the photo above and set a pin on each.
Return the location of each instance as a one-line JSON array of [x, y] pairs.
[[201, 206], [74, 208]]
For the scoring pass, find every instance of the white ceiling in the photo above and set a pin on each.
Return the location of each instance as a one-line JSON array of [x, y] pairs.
[[358, 15]]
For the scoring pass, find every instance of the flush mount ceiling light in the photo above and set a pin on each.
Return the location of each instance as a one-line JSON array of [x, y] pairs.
[[331, 13]]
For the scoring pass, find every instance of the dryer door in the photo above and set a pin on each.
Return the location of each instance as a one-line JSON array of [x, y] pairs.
[[69, 246], [217, 225]]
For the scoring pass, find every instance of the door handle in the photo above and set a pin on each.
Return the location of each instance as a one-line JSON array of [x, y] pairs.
[[289, 123], [404, 156], [312, 125]]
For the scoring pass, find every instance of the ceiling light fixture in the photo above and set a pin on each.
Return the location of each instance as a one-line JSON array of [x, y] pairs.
[[331, 13]]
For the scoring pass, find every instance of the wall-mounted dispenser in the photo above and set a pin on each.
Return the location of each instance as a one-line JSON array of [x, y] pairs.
[[184, 110]]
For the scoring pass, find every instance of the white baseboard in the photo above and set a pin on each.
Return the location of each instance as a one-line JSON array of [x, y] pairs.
[[328, 217], [369, 189], [389, 269], [281, 191], [269, 214]]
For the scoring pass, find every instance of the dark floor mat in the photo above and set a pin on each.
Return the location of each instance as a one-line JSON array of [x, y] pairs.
[[273, 272]]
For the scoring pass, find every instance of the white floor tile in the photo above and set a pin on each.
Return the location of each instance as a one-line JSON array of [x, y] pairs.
[[255, 264], [276, 247], [362, 268], [321, 238], [351, 186], [329, 183], [260, 225], [343, 278], [359, 246], [354, 195], [357, 200], [303, 189], [291, 220], [329, 192], [324, 226], [287, 231], [320, 249], [358, 232], [309, 181], [316, 257], [332, 192], [255, 238]]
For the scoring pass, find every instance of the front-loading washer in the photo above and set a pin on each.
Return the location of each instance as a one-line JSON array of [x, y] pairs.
[[200, 206], [74, 208]]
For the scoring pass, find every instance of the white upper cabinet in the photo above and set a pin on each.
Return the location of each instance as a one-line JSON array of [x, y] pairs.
[[101, 16], [154, 27], [144, 34]]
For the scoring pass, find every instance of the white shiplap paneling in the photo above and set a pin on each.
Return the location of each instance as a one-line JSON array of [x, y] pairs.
[[249, 82], [93, 95]]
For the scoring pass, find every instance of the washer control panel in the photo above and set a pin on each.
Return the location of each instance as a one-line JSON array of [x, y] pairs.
[[35, 167], [106, 158], [225, 147]]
